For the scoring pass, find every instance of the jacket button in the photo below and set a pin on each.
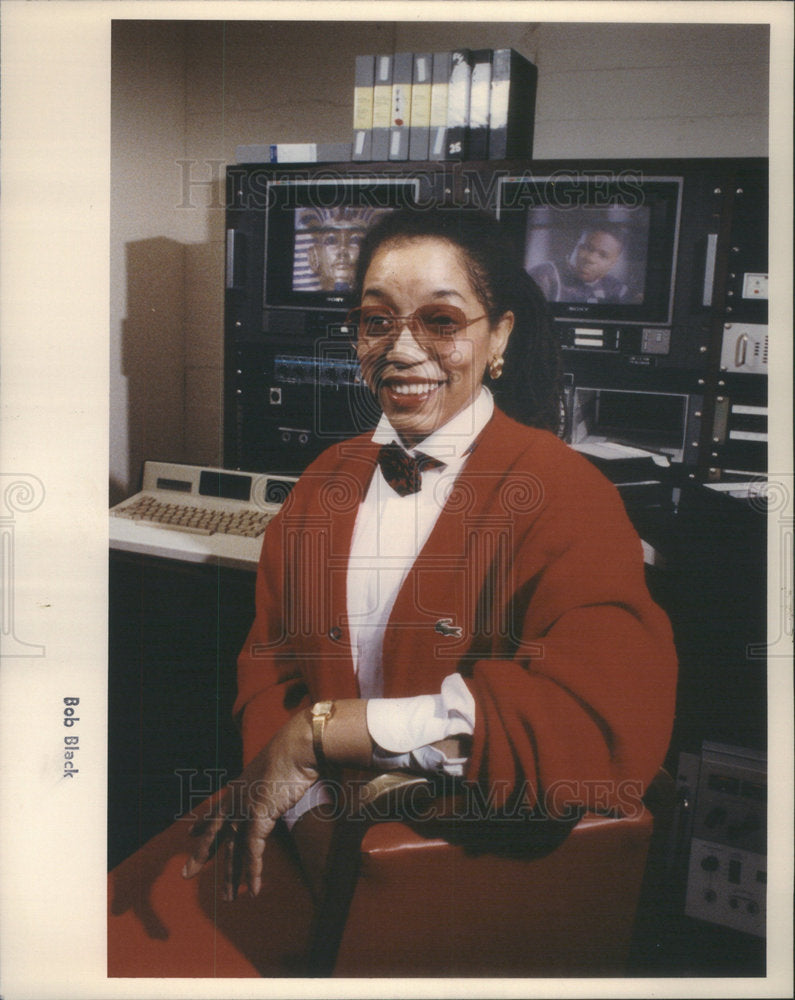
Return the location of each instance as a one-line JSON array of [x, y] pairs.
[[335, 633]]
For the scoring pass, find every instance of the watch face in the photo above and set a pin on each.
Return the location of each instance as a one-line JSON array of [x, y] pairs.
[[322, 708]]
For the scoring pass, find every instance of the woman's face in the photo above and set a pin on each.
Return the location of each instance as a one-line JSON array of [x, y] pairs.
[[422, 381]]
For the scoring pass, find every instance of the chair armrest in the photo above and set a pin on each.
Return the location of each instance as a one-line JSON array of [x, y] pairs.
[[407, 808], [389, 792], [400, 815]]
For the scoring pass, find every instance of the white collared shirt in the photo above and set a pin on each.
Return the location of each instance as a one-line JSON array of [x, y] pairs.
[[389, 534]]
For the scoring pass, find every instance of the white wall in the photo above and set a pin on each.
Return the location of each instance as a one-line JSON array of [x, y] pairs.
[[147, 404], [192, 92]]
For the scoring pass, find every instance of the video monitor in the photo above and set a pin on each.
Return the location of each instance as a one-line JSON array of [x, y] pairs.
[[314, 228], [600, 248]]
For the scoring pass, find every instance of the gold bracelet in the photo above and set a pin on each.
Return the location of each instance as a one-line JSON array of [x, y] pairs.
[[321, 712]]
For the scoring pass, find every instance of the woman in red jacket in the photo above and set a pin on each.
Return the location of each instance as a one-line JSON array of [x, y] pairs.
[[455, 593], [458, 592]]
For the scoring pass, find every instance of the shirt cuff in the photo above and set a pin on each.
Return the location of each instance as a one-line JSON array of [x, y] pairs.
[[400, 725], [315, 795], [428, 759]]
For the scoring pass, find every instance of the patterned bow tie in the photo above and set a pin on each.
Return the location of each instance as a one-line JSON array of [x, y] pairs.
[[402, 471]]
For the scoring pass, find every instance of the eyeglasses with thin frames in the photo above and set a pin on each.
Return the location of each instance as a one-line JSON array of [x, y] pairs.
[[432, 321]]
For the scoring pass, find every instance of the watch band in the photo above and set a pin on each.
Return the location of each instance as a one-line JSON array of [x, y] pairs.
[[321, 712]]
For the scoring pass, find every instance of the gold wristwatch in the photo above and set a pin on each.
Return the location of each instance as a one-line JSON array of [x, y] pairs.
[[321, 712]]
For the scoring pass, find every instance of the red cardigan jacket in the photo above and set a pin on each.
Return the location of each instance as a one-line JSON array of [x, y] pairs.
[[531, 585]]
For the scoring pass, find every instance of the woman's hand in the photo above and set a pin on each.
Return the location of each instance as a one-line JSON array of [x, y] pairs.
[[270, 784], [249, 807]]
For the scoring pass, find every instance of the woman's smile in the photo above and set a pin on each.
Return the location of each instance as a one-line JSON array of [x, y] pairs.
[[410, 392]]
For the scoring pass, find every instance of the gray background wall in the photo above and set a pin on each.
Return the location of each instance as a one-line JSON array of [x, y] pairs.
[[185, 94]]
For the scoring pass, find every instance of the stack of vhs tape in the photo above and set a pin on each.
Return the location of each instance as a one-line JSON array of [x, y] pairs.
[[466, 104]]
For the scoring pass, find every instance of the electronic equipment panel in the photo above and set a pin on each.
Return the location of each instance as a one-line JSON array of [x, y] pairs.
[[739, 440], [655, 273], [725, 793], [643, 261], [292, 399]]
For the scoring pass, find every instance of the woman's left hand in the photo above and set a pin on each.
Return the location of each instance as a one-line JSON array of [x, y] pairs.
[[249, 807]]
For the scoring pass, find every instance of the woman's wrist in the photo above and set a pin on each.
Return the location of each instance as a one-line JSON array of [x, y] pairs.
[[345, 737]]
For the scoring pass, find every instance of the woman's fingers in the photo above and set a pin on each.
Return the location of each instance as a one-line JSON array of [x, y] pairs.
[[243, 850], [206, 832], [243, 846], [257, 831], [231, 877]]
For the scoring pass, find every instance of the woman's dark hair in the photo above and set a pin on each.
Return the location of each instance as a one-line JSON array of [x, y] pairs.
[[530, 389]]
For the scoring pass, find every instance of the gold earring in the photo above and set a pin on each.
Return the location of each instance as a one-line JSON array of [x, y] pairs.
[[496, 366]]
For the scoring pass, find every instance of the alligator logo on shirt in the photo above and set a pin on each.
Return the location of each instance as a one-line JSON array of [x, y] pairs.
[[445, 627]]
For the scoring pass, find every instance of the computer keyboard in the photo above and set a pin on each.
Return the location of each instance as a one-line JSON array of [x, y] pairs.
[[197, 520], [198, 514]]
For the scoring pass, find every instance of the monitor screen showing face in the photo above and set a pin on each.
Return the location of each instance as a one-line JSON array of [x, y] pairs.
[[326, 246], [589, 255], [314, 230]]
